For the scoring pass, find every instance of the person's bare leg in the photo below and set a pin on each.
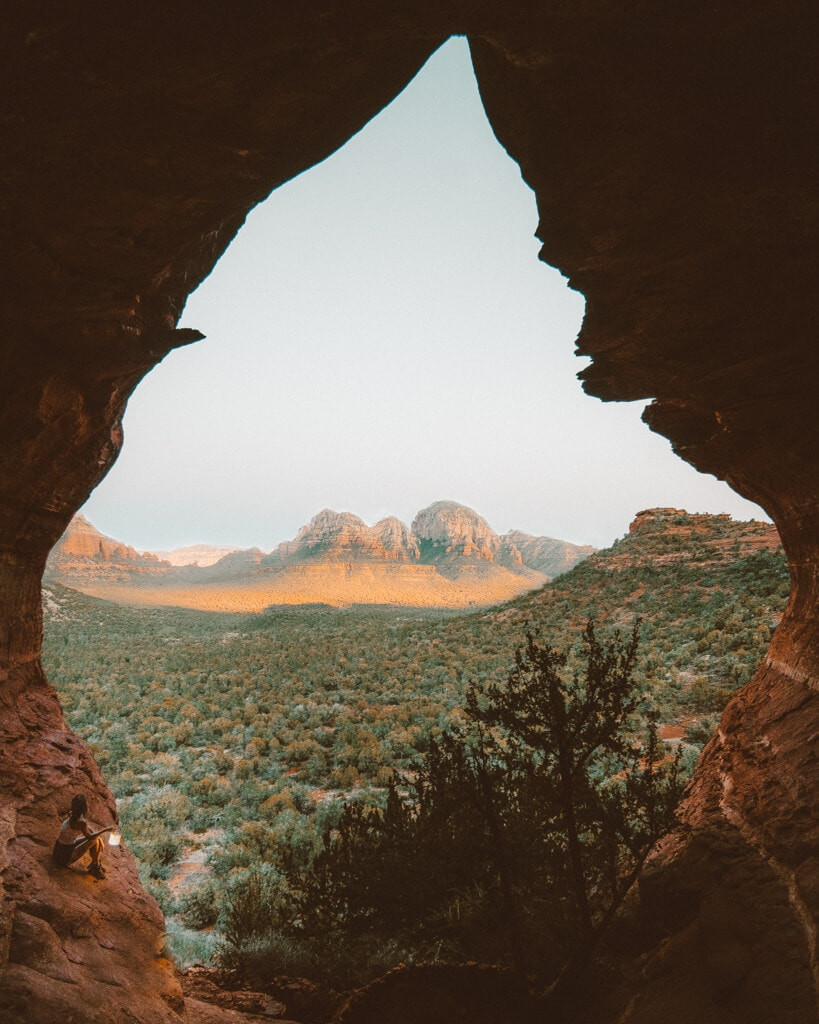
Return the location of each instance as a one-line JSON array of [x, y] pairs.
[[95, 849], [80, 850]]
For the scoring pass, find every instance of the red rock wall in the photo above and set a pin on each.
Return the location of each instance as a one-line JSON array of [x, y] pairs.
[[672, 169], [673, 155], [134, 145]]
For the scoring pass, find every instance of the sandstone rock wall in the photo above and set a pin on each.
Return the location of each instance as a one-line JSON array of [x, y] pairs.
[[545, 554], [71, 948], [686, 220], [84, 552], [673, 155], [135, 141], [342, 536], [452, 531]]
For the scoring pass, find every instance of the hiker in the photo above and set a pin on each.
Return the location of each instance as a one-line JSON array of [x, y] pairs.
[[76, 839]]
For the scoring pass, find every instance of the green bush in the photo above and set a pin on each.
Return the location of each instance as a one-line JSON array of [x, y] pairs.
[[198, 908], [518, 836], [159, 853], [251, 911], [156, 888], [186, 947], [699, 733]]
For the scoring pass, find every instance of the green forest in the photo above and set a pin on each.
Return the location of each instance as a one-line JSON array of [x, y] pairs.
[[234, 742]]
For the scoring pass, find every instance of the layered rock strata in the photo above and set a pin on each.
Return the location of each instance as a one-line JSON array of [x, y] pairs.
[[445, 532], [674, 160], [84, 552], [544, 554], [449, 531], [457, 561], [342, 536]]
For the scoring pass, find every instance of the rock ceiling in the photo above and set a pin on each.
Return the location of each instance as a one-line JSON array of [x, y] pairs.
[[674, 158]]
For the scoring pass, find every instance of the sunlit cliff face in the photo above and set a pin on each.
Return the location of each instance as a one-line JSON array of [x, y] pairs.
[[450, 559], [671, 160]]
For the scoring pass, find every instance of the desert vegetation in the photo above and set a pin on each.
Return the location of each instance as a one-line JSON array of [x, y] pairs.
[[239, 745], [513, 841]]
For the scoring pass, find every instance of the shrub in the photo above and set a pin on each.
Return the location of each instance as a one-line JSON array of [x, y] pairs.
[[522, 831], [186, 947], [699, 733], [198, 908], [250, 914], [156, 888]]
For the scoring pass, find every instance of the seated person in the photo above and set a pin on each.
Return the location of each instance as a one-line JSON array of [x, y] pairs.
[[76, 839]]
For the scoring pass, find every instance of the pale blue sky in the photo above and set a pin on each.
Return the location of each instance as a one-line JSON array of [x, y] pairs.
[[381, 335]]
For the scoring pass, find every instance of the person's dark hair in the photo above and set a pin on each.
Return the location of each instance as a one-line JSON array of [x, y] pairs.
[[79, 807]]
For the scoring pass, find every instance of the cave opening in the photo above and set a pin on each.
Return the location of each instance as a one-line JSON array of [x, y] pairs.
[[686, 221], [381, 335], [455, 364]]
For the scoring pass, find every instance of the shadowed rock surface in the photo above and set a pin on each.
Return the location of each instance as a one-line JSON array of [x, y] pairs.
[[545, 554], [674, 158], [438, 994]]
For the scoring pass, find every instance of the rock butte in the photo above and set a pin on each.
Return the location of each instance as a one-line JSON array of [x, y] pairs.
[[674, 159], [451, 559]]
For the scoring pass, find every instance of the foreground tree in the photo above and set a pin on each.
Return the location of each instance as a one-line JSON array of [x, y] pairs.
[[588, 782], [519, 835]]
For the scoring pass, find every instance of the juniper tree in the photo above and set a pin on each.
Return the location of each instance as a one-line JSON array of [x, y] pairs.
[[519, 835]]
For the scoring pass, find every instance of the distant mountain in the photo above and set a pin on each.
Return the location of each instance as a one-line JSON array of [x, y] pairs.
[[450, 558], [552, 557], [343, 537], [444, 533], [707, 591], [449, 532], [83, 553], [202, 555]]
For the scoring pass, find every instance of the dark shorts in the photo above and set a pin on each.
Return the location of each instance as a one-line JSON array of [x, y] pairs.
[[64, 853]]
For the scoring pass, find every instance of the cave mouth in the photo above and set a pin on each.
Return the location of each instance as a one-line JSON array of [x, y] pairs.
[[700, 177], [381, 334], [438, 361]]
